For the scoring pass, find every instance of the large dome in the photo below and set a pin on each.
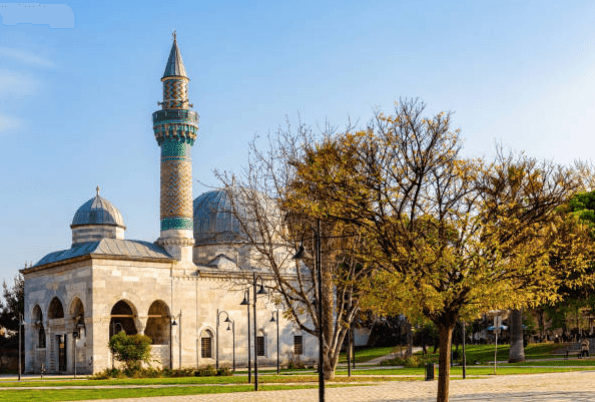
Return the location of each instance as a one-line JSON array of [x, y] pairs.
[[97, 211], [214, 221]]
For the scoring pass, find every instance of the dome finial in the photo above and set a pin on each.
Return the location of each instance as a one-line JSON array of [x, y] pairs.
[[98, 189], [174, 35]]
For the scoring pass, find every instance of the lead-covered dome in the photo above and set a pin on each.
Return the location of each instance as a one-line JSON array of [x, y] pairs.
[[97, 219], [214, 219]]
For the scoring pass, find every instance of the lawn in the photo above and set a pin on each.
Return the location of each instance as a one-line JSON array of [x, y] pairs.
[[84, 394], [485, 353], [471, 370], [190, 381], [366, 354]]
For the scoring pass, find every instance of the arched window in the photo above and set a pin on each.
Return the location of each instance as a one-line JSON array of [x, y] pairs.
[[77, 313], [41, 337], [38, 323], [122, 319], [55, 310], [206, 344], [158, 323]]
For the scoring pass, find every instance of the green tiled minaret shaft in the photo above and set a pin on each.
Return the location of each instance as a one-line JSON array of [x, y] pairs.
[[175, 127]]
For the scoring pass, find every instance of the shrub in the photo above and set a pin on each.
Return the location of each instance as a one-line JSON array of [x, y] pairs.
[[131, 350], [414, 361], [208, 371], [224, 372]]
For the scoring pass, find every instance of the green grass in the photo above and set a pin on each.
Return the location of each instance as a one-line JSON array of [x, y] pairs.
[[264, 379], [569, 362], [485, 353], [366, 354], [84, 394], [470, 370]]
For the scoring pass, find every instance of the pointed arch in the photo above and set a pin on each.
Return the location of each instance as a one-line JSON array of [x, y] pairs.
[[122, 318], [55, 309], [158, 323], [77, 310], [206, 343], [37, 319]]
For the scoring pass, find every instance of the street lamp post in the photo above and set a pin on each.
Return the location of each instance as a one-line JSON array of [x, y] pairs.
[[349, 352], [299, 255], [227, 320], [232, 326], [20, 323], [464, 355], [261, 291], [75, 335], [275, 318], [246, 302], [172, 324]]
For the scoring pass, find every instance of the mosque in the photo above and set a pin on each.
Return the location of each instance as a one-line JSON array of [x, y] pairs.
[[184, 291]]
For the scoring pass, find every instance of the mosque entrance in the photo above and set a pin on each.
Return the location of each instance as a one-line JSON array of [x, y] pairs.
[[61, 352]]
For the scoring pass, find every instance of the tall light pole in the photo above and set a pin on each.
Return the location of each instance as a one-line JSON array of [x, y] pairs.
[[20, 323], [349, 352], [172, 324], [246, 302], [227, 320], [261, 291], [298, 256], [232, 326], [275, 318], [75, 335], [464, 355]]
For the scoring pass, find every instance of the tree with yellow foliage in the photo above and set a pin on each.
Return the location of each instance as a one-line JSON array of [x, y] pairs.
[[450, 237]]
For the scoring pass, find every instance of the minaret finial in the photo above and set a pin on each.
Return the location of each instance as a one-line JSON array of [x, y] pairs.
[[174, 35], [98, 189]]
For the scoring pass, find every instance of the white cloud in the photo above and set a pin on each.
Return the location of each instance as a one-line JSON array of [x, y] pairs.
[[26, 56], [15, 85], [9, 123]]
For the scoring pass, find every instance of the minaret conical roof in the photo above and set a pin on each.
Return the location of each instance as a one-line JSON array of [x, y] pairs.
[[175, 64]]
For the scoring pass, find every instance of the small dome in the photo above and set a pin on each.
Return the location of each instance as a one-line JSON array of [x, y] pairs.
[[214, 221], [97, 211]]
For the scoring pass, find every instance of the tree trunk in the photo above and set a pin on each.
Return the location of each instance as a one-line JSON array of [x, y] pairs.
[[517, 348], [330, 364], [409, 339], [445, 333]]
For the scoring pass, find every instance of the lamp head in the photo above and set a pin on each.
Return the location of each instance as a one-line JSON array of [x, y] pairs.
[[227, 320], [229, 326], [262, 290], [273, 318], [245, 302], [301, 253]]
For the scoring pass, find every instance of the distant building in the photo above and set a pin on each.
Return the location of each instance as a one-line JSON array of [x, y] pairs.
[[170, 290]]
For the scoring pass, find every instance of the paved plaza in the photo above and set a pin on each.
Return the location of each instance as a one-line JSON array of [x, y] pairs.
[[554, 387]]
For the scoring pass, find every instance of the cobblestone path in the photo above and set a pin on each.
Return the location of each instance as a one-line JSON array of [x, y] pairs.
[[554, 387]]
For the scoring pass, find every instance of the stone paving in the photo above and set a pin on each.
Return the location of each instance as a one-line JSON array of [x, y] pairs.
[[553, 387]]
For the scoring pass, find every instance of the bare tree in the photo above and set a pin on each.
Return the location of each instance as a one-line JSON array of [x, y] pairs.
[[275, 226]]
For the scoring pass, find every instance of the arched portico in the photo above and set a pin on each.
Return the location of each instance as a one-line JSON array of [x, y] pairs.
[[122, 318], [158, 323]]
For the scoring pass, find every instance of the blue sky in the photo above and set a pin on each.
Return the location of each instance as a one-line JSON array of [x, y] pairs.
[[76, 102]]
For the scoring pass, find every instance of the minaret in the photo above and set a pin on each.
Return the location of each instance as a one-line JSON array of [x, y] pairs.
[[175, 127]]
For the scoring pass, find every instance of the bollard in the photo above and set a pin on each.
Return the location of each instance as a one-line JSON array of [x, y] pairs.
[[430, 371]]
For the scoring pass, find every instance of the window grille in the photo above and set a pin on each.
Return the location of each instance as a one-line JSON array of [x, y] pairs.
[[260, 346], [298, 345], [205, 347]]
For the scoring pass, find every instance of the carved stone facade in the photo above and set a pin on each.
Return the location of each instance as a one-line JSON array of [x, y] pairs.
[[176, 290]]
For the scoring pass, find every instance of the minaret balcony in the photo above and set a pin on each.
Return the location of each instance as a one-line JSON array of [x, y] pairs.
[[175, 116]]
